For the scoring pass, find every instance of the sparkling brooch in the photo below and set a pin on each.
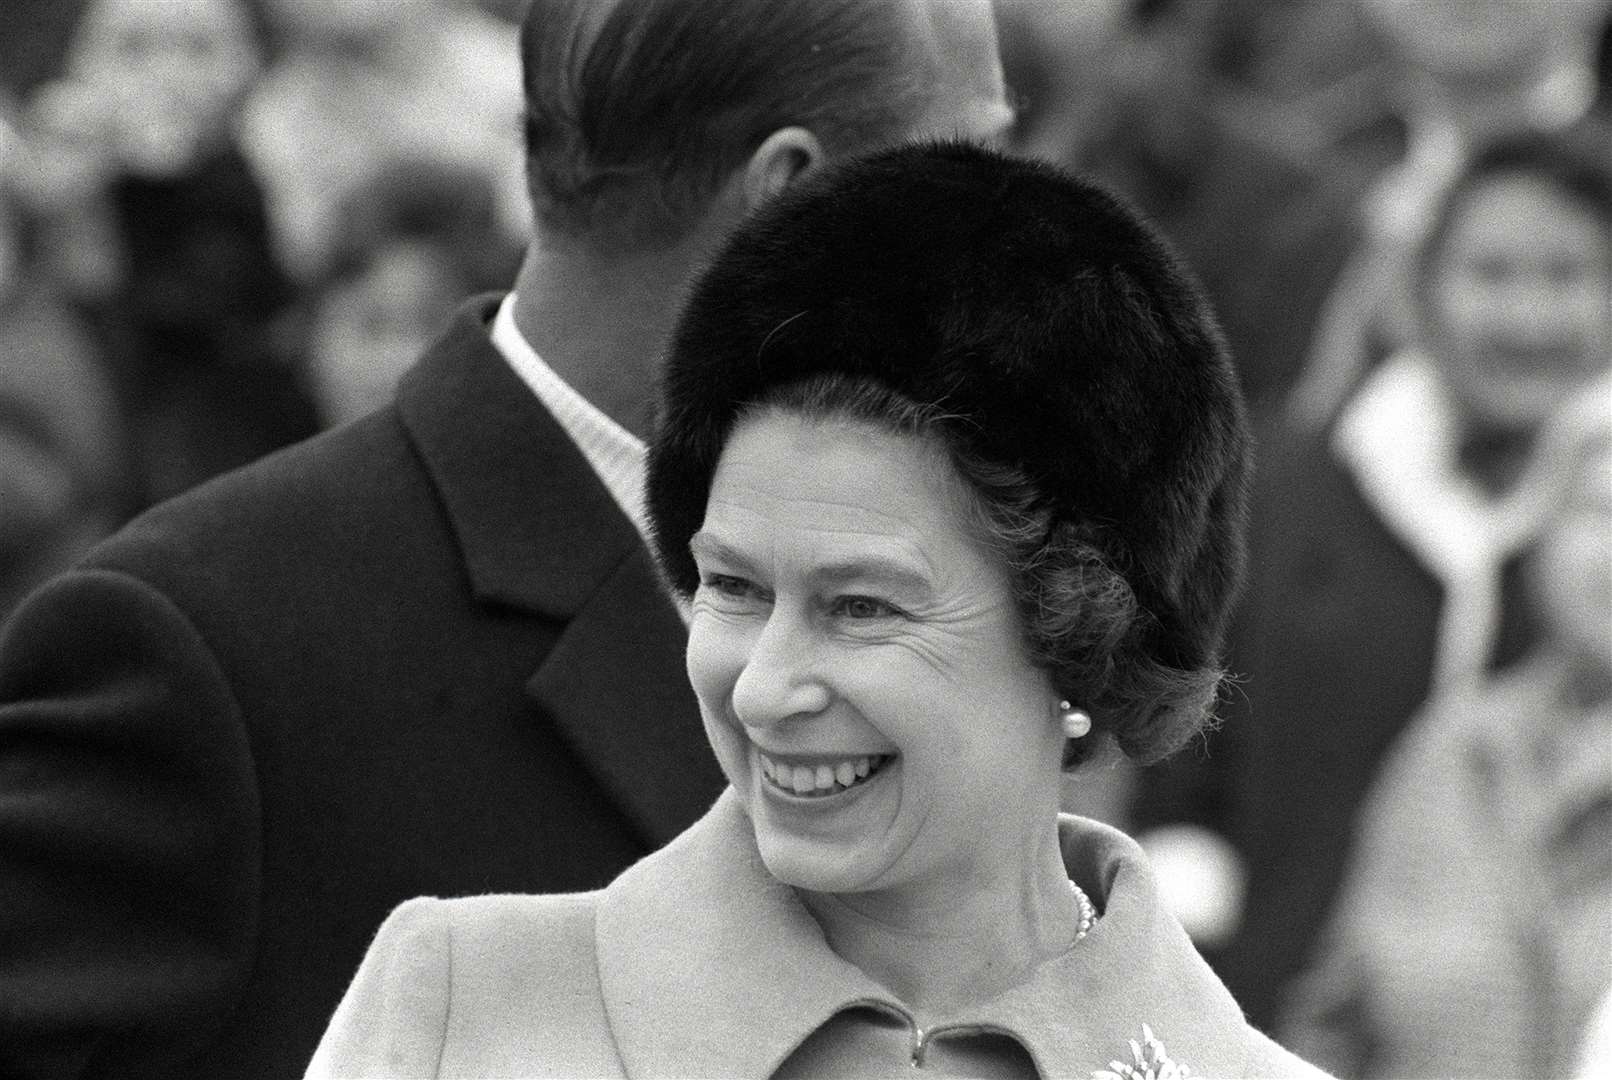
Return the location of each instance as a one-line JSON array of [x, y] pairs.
[[1149, 1061]]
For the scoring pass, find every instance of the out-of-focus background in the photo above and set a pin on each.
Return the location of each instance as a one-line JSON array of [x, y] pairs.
[[226, 225]]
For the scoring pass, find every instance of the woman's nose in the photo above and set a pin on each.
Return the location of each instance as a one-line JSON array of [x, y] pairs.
[[780, 678]]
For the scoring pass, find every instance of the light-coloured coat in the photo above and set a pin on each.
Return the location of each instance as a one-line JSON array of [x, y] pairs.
[[697, 962]]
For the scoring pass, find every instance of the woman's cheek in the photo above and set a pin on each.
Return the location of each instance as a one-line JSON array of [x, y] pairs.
[[715, 658], [716, 654]]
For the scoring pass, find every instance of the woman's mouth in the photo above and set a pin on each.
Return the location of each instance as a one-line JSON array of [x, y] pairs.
[[822, 778]]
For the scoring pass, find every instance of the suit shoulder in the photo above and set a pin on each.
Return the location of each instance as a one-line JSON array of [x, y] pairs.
[[356, 487], [352, 465]]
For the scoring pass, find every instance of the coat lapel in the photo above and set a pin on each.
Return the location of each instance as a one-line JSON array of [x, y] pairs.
[[537, 529], [540, 534], [1083, 1009], [615, 683], [709, 966]]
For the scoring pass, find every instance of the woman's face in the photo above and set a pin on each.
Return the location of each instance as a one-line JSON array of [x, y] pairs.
[[860, 663], [1521, 300], [168, 72]]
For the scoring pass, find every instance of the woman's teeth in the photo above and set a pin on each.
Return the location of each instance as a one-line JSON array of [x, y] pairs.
[[823, 779]]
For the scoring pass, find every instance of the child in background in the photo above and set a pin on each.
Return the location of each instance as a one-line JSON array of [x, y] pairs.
[[410, 245]]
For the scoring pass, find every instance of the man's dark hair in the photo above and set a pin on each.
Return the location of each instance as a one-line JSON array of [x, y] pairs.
[[638, 110]]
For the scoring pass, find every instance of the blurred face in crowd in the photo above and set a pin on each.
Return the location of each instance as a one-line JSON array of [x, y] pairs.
[[67, 157], [371, 326], [168, 72], [1519, 299], [1481, 39], [342, 22], [860, 664], [1074, 62]]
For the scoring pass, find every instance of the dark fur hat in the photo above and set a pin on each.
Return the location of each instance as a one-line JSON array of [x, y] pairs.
[[1035, 307]]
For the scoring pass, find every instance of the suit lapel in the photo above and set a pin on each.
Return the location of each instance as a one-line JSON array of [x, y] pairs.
[[537, 529], [615, 683], [539, 533]]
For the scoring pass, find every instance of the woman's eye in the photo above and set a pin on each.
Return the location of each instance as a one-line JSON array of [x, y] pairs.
[[726, 585], [862, 607]]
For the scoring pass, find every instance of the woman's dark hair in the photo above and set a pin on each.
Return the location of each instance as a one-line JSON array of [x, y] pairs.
[[638, 110], [1045, 336], [1575, 164]]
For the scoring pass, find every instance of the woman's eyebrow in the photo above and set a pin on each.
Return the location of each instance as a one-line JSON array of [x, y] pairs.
[[884, 569]]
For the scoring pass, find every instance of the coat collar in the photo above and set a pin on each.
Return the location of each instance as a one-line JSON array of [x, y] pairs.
[[515, 488], [615, 683], [1398, 438], [539, 533], [711, 967]]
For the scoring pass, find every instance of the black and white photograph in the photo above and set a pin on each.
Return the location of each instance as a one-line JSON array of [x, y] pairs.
[[806, 538]]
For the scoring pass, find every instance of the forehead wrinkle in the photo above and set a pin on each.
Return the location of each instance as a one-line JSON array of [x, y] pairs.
[[873, 568], [927, 506], [895, 558], [896, 524], [736, 475]]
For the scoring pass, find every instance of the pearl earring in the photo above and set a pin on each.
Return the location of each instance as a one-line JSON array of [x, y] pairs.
[[1076, 722]]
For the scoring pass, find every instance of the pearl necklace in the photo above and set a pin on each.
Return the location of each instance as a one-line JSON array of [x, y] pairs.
[[1088, 914]]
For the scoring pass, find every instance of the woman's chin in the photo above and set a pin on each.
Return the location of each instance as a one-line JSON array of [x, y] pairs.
[[806, 865], [839, 842]]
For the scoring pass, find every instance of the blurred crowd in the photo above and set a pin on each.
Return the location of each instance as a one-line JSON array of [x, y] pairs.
[[225, 225], [228, 224]]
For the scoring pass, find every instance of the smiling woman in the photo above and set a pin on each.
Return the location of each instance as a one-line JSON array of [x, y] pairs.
[[950, 474], [847, 613]]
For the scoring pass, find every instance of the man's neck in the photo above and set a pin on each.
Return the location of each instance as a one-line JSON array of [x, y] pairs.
[[601, 321]]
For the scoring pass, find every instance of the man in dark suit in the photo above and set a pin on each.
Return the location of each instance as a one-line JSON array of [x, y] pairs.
[[425, 653]]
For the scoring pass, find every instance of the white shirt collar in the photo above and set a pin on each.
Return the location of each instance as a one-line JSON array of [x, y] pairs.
[[1397, 438], [615, 454]]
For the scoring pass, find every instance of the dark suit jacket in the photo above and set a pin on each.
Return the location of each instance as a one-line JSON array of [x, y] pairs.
[[1333, 647], [422, 654], [1335, 644]]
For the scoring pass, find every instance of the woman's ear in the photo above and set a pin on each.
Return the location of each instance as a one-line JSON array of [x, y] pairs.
[[782, 158]]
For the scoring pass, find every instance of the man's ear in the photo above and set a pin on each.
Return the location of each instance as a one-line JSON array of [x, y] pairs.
[[782, 158]]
